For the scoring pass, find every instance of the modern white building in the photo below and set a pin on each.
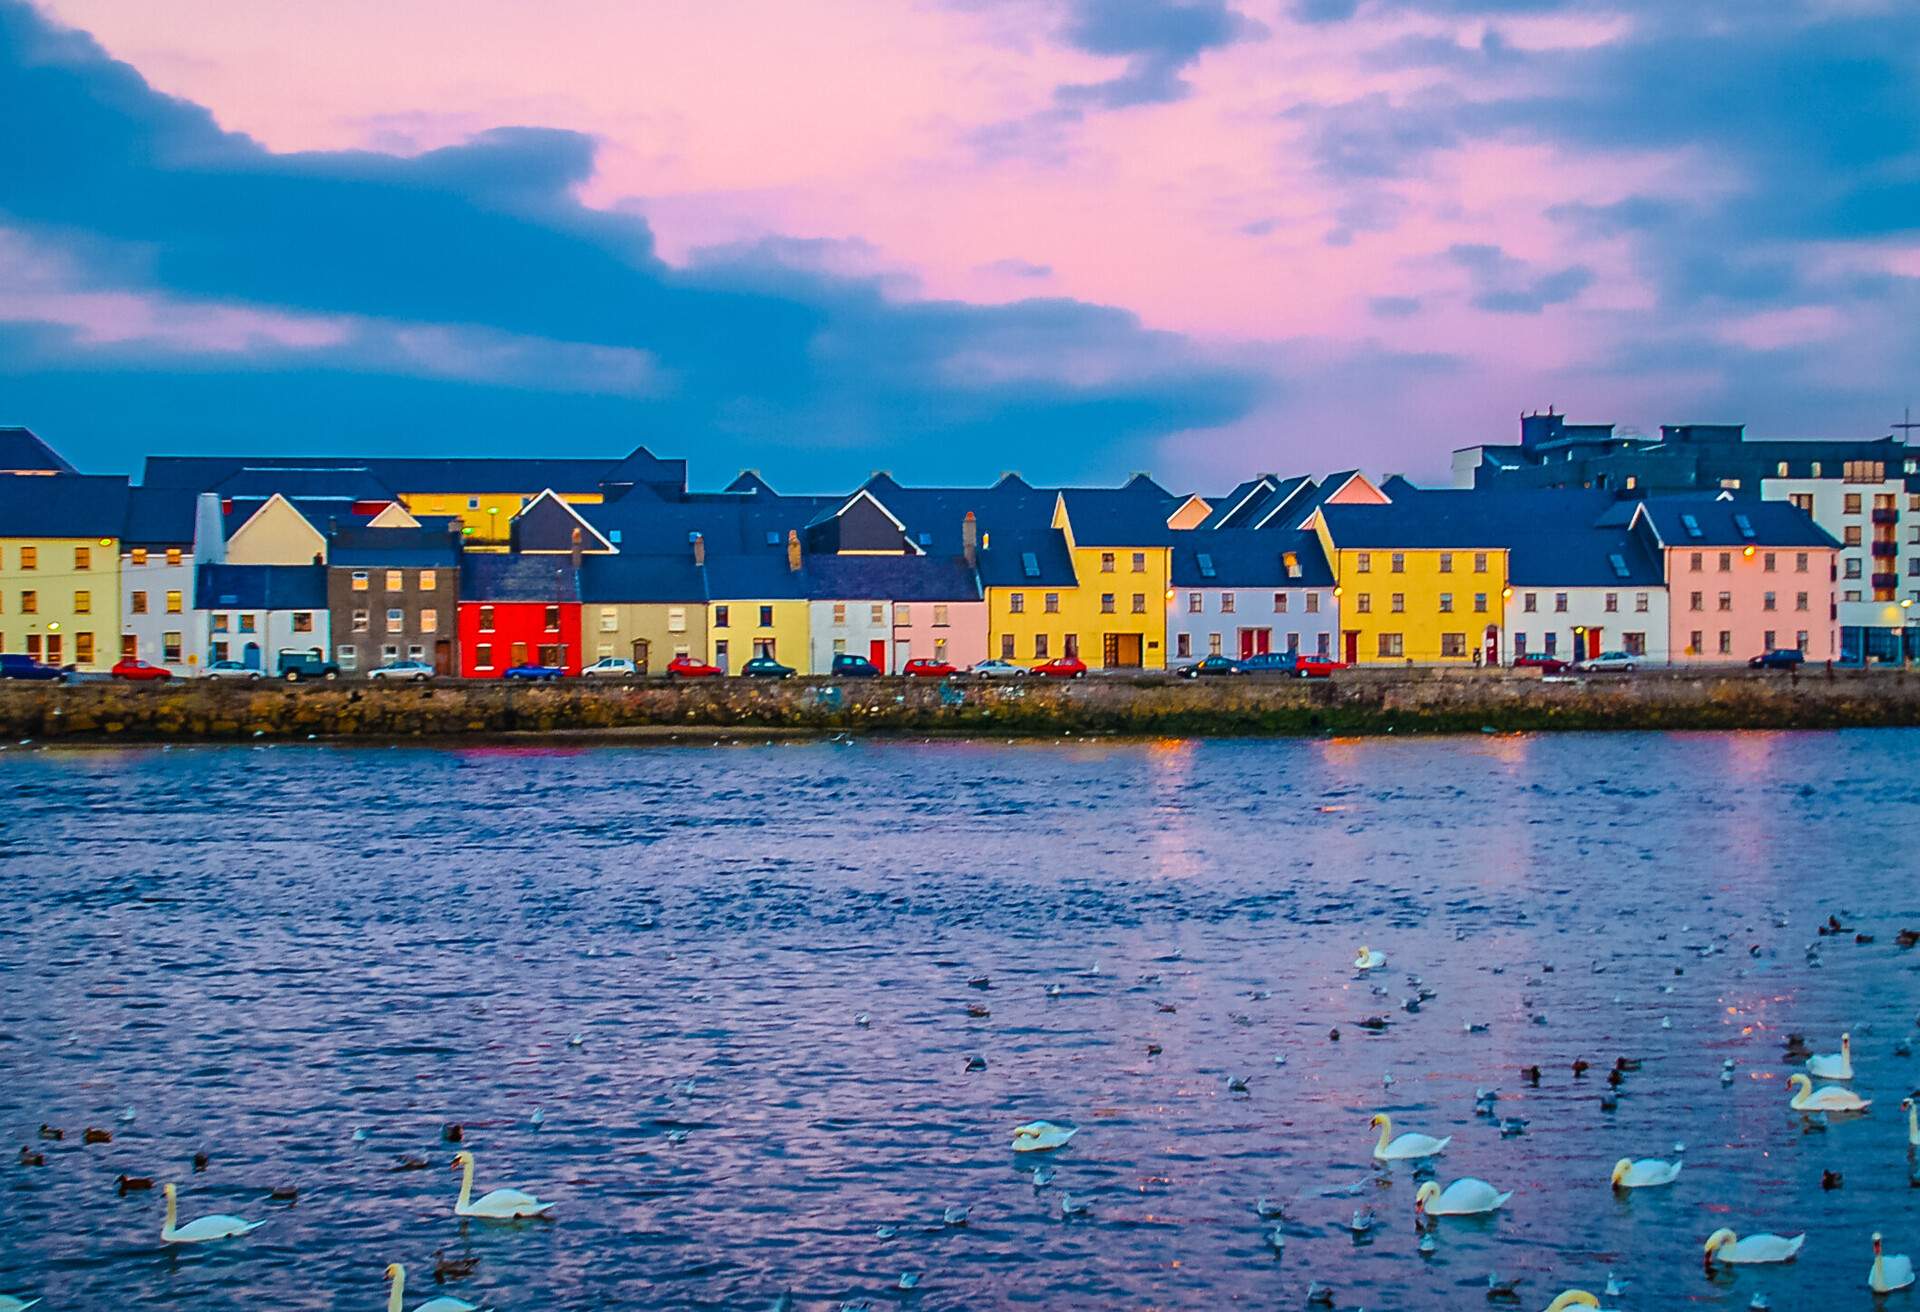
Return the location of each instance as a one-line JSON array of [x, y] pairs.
[[1877, 521]]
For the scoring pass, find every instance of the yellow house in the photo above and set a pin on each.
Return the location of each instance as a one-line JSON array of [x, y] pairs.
[[60, 568], [1416, 581], [758, 608], [1122, 551], [486, 517]]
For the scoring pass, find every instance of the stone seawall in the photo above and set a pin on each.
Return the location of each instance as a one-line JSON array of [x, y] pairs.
[[1358, 702]]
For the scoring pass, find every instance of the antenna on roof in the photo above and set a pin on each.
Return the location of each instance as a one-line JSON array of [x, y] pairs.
[[1906, 424]]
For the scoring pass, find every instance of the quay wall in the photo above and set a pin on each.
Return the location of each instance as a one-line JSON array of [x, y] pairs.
[[1356, 702]]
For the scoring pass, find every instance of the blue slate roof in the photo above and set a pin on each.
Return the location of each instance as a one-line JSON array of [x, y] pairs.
[[400, 474], [1247, 558], [22, 451], [261, 587], [633, 579], [158, 517], [890, 578], [1005, 563], [1254, 500], [354, 484], [1723, 522], [754, 578], [1130, 516], [431, 546], [62, 505], [1561, 537], [1427, 521], [505, 576]]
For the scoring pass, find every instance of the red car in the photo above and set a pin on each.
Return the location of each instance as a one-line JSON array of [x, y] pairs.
[[1538, 660], [1062, 667], [132, 667], [922, 667], [686, 667], [1316, 667]]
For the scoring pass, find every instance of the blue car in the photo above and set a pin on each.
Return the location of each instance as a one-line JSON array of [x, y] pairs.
[[766, 667], [1210, 665], [1781, 658], [535, 673], [1270, 662], [846, 666], [26, 667]]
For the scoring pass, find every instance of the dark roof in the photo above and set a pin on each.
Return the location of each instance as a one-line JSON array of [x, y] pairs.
[[21, 450], [1255, 500], [1028, 559], [158, 517], [753, 577], [1723, 521], [613, 579], [401, 474], [306, 484], [357, 544], [505, 576], [63, 505], [1130, 516], [890, 578], [1247, 558], [642, 467], [261, 587], [1429, 520], [1559, 537]]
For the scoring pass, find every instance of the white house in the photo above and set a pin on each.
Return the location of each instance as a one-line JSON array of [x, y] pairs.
[[1241, 592], [158, 622]]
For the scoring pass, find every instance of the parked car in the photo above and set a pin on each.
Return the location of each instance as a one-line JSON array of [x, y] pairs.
[[611, 667], [1608, 662], [688, 667], [848, 666], [766, 667], [231, 670], [297, 665], [998, 669], [1541, 661], [132, 667], [1316, 667], [534, 672], [1269, 662], [1208, 666], [409, 671], [1780, 658], [1062, 667], [26, 667], [925, 667]]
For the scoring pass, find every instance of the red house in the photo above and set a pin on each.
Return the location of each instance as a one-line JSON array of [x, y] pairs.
[[518, 609]]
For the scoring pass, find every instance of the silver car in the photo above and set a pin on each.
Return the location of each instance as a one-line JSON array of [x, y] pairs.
[[231, 670], [611, 667], [998, 669], [1608, 662], [410, 671]]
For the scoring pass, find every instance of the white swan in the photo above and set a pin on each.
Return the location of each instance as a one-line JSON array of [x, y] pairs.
[[1890, 1272], [1464, 1197], [1405, 1148], [1829, 1098], [1041, 1136], [1833, 1065], [205, 1228], [1648, 1171], [1368, 959], [498, 1205], [398, 1275], [1730, 1248], [1573, 1298], [8, 1303], [1913, 1122]]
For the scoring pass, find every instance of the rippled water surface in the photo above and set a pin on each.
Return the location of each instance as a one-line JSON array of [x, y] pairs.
[[305, 961]]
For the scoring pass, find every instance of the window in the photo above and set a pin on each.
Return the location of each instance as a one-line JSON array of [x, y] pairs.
[[1726, 601], [29, 558], [1800, 601], [1453, 645], [1800, 562], [1446, 603], [1204, 560], [550, 616], [1691, 525], [1140, 603], [429, 581], [173, 555], [1767, 640], [1634, 644], [1640, 600], [1106, 603], [219, 651], [83, 557], [902, 613], [482, 656], [1698, 562], [1726, 561], [1726, 642], [1399, 562], [359, 580], [1279, 603], [429, 621], [1552, 643], [1530, 602], [876, 614], [248, 622], [363, 618], [1782, 470], [1006, 646], [1480, 603], [83, 602], [303, 621], [1800, 640], [174, 602], [839, 646], [676, 619], [221, 621], [839, 612], [486, 618], [1213, 644], [1694, 640], [473, 503], [139, 556], [1183, 644], [396, 580], [1479, 562], [940, 650], [1313, 603], [766, 617], [1106, 562], [1226, 603], [1446, 562], [1852, 532], [1853, 498], [1364, 603], [1766, 603], [1051, 603], [1040, 646], [1070, 645], [170, 644], [1030, 564], [397, 621], [1802, 501], [390, 653], [1852, 567], [1611, 602], [609, 619], [1196, 603], [1363, 562], [1768, 561], [940, 617], [1398, 602], [1017, 604], [137, 603], [1744, 526], [1696, 601], [83, 648], [1560, 603], [1391, 645], [1139, 562], [720, 647]]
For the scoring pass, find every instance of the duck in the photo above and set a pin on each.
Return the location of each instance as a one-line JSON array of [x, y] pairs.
[[1833, 1065], [93, 1135], [452, 1268], [1041, 1136], [204, 1229], [1829, 1098], [397, 1274], [1573, 1298], [496, 1205], [1913, 1122], [1408, 1147], [1464, 1197], [1369, 958], [1728, 1247], [132, 1184], [1645, 1173], [1890, 1271], [51, 1132]]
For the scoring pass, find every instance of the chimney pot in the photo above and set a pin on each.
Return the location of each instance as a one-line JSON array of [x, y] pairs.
[[576, 546], [699, 549], [970, 539], [793, 551]]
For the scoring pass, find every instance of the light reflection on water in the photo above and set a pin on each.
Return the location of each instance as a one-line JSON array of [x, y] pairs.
[[260, 951]]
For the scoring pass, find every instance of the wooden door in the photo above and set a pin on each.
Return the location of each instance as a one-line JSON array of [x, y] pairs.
[[640, 653]]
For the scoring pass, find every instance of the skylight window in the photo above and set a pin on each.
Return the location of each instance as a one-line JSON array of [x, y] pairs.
[[1745, 526], [926, 539], [1691, 525], [773, 537], [1619, 563], [1206, 565], [1030, 564]]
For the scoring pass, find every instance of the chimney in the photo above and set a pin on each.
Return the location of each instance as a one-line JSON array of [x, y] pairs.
[[699, 549], [969, 539], [576, 546], [793, 551]]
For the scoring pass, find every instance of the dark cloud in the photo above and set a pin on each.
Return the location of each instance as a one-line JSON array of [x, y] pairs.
[[1157, 38], [1015, 268], [1394, 307], [1375, 137], [745, 356], [1505, 285]]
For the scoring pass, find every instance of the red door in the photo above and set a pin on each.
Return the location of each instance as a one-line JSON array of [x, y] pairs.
[[877, 653], [1352, 649], [1492, 653], [1246, 643]]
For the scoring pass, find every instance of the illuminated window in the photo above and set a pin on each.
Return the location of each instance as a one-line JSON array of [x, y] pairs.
[[83, 557]]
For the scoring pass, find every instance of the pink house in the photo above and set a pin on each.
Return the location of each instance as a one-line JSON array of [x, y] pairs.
[[1744, 576]]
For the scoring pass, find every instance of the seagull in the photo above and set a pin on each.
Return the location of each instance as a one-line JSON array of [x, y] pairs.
[[1055, 990], [1268, 1210], [1071, 1206], [956, 1215], [1362, 1221], [1042, 1176], [575, 1040], [908, 1280], [1276, 1241], [1615, 1286], [1498, 1288], [1237, 1084], [1428, 1245], [861, 1019], [1319, 1295]]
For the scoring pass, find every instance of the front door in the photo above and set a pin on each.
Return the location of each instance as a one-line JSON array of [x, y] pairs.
[[250, 656], [443, 657], [519, 650], [1351, 646], [877, 653], [1122, 651], [1491, 653], [640, 655], [1255, 642], [1593, 643]]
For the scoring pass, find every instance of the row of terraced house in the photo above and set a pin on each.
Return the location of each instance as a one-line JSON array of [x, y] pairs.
[[474, 565]]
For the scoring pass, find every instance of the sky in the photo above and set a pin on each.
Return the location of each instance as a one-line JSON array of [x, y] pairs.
[[949, 238]]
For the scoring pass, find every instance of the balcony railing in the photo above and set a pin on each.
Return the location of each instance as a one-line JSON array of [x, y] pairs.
[[1886, 549], [1882, 515], [1883, 581]]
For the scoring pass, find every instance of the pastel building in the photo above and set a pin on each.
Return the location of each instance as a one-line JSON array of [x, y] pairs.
[[60, 567], [1241, 592], [644, 608], [256, 613], [159, 617]]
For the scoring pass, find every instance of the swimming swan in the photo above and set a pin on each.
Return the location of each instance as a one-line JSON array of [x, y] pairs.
[[1407, 1147], [1041, 1136], [1648, 1171], [1730, 1248], [1833, 1065], [1464, 1197], [398, 1275], [205, 1228], [1889, 1272], [1827, 1099], [1368, 959], [1573, 1298], [498, 1205]]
